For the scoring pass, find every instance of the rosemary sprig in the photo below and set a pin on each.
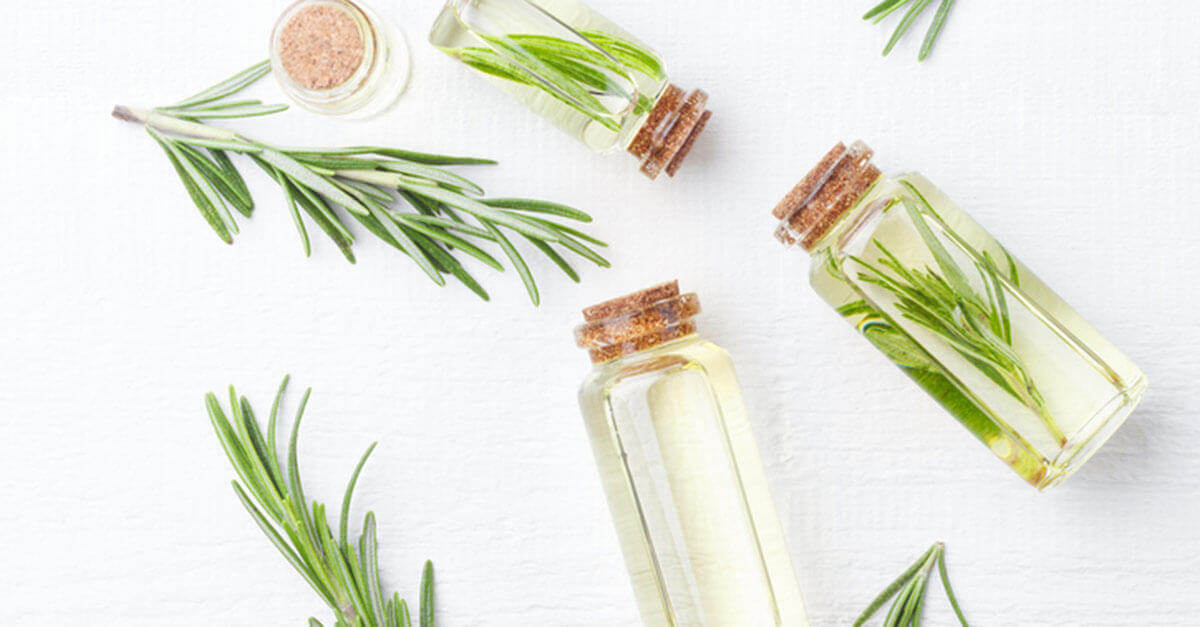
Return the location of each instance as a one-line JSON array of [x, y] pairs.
[[446, 213], [915, 8], [909, 590], [344, 574], [977, 326], [576, 74]]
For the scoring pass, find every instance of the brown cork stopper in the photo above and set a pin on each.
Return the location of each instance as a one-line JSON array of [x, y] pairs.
[[670, 130], [825, 194], [636, 322], [321, 47]]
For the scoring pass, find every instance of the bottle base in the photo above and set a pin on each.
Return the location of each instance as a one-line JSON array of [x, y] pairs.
[[1099, 428]]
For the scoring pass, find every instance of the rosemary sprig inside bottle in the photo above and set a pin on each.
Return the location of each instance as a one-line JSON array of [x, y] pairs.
[[446, 212], [909, 590], [344, 574], [577, 74], [976, 325], [915, 8]]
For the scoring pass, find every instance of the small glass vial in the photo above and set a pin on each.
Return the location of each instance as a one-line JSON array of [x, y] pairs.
[[681, 470], [338, 57], [579, 71], [964, 319]]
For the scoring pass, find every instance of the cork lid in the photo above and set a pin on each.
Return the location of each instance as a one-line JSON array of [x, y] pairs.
[[670, 130], [637, 321], [825, 194]]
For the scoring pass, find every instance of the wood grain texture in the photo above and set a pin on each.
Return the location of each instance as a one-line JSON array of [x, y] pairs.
[[1072, 135]]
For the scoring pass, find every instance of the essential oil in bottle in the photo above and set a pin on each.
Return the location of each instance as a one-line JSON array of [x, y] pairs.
[[681, 469], [960, 315], [581, 72]]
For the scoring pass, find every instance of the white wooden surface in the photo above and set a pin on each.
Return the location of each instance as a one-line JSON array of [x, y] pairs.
[[1071, 131]]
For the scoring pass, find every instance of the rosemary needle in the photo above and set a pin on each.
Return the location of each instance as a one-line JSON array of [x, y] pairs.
[[343, 573], [909, 592], [446, 216], [915, 9]]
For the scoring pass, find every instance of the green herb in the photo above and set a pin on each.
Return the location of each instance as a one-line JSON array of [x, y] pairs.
[[977, 326], [915, 8], [576, 74], [909, 590], [344, 574], [366, 183]]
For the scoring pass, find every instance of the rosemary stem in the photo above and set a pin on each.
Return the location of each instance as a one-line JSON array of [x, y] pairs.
[[171, 124]]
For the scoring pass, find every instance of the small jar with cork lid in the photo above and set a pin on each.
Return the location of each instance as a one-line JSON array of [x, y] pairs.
[[680, 468], [338, 57], [961, 316], [581, 72]]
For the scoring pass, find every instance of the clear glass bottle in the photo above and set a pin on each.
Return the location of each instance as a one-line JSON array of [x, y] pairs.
[[964, 319], [339, 57], [681, 470], [579, 71]]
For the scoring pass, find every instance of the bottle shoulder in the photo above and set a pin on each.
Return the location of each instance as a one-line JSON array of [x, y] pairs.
[[692, 352]]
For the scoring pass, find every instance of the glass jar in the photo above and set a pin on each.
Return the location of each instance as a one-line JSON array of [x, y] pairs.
[[964, 319], [579, 71], [680, 468], [338, 57]]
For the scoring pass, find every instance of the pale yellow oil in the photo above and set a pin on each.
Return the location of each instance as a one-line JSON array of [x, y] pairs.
[[688, 494], [465, 24], [1088, 385]]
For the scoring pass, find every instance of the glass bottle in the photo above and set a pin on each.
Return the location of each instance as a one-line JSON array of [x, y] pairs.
[[338, 57], [579, 71], [964, 319], [680, 468]]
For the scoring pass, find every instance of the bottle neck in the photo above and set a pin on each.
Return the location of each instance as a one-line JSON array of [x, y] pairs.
[[666, 136], [828, 198]]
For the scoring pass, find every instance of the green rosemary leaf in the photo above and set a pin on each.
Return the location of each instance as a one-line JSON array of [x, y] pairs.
[[227, 104], [522, 269], [905, 23], [427, 595], [584, 251], [405, 617], [417, 223], [246, 111], [447, 224], [370, 557], [538, 206], [274, 537], [855, 308], [941, 564], [406, 242], [564, 231], [892, 588], [555, 257], [227, 87], [290, 197], [406, 155], [200, 195], [217, 178], [316, 208], [312, 622], [304, 175], [935, 28], [332, 163], [452, 265], [484, 212], [433, 174], [883, 9], [368, 190], [344, 525], [273, 420], [268, 464], [236, 182], [628, 53]]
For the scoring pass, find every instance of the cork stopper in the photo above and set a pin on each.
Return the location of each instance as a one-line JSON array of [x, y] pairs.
[[637, 321], [825, 194], [670, 130]]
